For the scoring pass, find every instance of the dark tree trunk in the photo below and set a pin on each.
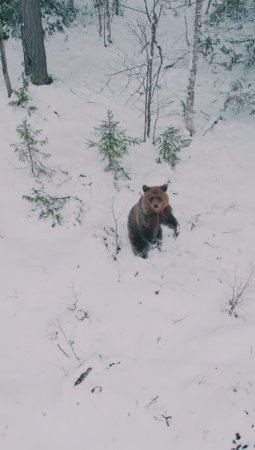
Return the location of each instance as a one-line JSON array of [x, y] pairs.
[[4, 63], [108, 21], [33, 43], [98, 6], [116, 7], [208, 7]]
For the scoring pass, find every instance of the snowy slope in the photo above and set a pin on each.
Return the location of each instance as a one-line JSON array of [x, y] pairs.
[[171, 369]]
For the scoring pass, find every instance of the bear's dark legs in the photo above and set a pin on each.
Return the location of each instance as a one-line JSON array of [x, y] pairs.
[[159, 235], [159, 239], [140, 246], [143, 253]]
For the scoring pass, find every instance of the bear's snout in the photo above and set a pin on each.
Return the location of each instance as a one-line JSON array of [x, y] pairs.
[[155, 203]]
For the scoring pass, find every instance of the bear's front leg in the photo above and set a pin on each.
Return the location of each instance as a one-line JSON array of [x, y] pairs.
[[167, 218], [140, 247], [157, 241]]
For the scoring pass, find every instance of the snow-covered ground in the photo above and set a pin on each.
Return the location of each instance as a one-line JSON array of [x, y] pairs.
[[165, 364]]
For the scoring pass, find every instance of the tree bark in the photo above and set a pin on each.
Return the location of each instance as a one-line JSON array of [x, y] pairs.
[[116, 7], [108, 21], [33, 42], [189, 106], [152, 68], [208, 7], [4, 63], [98, 5]]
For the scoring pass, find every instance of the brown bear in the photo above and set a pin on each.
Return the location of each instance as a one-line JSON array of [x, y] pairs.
[[145, 218]]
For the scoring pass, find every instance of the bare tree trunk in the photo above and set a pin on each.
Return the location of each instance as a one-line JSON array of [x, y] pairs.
[[4, 63], [208, 7], [100, 22], [116, 7], [150, 68], [108, 21], [33, 43], [104, 28], [104, 20], [146, 109], [148, 73], [152, 75], [189, 106]]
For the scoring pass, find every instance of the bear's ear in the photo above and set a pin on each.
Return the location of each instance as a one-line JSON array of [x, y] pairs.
[[145, 188], [164, 187]]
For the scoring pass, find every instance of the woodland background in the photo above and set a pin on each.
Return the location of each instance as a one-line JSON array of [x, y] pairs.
[[100, 348]]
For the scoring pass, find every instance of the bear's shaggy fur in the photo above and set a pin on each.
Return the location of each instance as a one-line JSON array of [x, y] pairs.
[[146, 217]]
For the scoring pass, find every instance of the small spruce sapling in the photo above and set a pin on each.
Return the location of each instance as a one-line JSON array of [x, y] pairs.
[[240, 97], [113, 144], [21, 98], [48, 206], [169, 144], [29, 149], [234, 9]]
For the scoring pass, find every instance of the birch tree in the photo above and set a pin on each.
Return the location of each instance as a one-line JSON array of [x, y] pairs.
[[4, 63], [189, 106]]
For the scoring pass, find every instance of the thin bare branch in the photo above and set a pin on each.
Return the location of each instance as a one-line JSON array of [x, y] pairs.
[[241, 289], [68, 341]]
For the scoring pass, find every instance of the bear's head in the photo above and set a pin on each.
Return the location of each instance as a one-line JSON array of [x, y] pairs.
[[155, 199]]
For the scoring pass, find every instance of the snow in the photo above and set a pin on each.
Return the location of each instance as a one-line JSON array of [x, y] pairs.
[[171, 369]]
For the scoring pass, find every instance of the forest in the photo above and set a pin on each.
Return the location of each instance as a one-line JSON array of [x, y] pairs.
[[102, 104]]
